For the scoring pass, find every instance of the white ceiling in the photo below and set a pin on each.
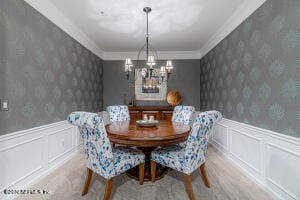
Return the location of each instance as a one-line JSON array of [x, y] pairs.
[[175, 25], [118, 26]]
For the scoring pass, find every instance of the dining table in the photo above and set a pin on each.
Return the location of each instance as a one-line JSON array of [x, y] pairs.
[[147, 139]]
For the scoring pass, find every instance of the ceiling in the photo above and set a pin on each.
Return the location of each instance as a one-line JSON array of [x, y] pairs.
[[119, 26], [175, 25]]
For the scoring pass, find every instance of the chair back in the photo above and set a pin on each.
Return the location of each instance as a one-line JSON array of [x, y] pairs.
[[96, 144], [105, 117], [183, 114], [118, 113], [196, 145], [214, 116]]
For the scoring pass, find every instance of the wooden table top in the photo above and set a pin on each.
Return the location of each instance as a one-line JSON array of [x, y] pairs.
[[128, 133]]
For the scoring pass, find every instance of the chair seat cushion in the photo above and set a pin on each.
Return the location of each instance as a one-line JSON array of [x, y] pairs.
[[126, 158], [171, 156]]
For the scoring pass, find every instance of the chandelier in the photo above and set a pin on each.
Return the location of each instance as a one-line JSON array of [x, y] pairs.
[[149, 70]]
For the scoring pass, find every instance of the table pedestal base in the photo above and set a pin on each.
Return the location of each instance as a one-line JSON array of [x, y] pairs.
[[160, 170]]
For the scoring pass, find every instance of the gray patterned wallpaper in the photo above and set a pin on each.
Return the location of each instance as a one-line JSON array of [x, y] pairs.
[[185, 78], [44, 73], [253, 75]]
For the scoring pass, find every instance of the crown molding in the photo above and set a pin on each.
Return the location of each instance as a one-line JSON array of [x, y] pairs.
[[47, 9], [162, 55], [238, 16]]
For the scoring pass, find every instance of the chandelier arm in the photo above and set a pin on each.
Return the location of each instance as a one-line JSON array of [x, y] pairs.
[[153, 50]]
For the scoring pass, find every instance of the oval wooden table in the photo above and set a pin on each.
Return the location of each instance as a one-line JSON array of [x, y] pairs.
[[147, 139]]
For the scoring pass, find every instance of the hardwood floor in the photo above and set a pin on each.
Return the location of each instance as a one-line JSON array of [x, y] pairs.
[[226, 183]]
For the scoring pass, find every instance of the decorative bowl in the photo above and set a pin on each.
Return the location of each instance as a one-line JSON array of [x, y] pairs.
[[147, 123]]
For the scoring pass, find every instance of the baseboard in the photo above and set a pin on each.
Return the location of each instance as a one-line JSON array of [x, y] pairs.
[[28, 155], [271, 159]]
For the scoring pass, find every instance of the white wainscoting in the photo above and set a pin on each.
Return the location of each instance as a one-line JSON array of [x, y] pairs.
[[28, 155], [271, 159]]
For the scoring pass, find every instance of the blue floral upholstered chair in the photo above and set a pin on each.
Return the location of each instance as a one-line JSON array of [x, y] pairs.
[[188, 158], [183, 114], [101, 157], [214, 116], [118, 113]]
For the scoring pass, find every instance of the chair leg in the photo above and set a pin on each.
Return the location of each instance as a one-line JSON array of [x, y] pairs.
[[153, 170], [188, 186], [204, 175], [108, 189], [141, 173], [113, 144], [88, 178]]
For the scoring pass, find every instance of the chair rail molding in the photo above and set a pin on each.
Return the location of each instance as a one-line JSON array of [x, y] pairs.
[[27, 156], [270, 159]]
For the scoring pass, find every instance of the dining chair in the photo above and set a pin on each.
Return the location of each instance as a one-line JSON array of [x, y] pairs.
[[118, 113], [189, 158], [102, 159], [183, 114], [214, 116]]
